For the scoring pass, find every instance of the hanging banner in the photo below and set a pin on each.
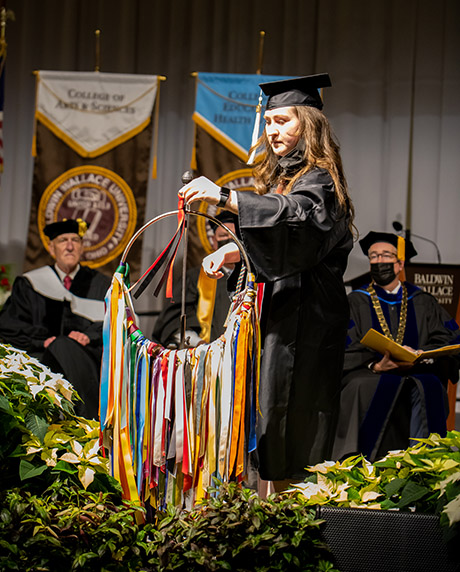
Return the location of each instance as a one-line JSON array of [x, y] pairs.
[[224, 117], [92, 146], [94, 112], [226, 107]]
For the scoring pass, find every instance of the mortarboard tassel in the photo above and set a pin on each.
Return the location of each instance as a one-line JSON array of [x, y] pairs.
[[255, 131], [401, 248]]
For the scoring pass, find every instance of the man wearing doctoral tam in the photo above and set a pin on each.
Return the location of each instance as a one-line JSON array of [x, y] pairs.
[[55, 314], [384, 402], [296, 230]]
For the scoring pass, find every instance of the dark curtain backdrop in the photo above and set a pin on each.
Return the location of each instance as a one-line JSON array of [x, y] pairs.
[[394, 104]]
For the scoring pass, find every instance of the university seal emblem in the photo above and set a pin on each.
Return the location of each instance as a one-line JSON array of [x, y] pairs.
[[102, 199]]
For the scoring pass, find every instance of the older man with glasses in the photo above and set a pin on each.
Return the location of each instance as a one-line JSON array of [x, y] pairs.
[[383, 402], [55, 314]]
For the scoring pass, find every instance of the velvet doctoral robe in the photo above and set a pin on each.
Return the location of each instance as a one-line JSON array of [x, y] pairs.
[[381, 412], [29, 318], [298, 245]]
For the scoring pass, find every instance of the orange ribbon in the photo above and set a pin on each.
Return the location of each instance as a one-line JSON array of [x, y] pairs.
[[180, 225]]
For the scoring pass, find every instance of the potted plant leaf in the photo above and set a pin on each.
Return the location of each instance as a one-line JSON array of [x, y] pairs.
[[400, 513]]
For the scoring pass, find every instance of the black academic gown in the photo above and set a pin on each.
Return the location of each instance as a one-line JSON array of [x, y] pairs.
[[376, 410], [298, 246], [168, 322], [29, 318]]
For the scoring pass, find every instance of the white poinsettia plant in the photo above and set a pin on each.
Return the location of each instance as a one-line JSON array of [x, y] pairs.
[[37, 376], [423, 478], [36, 411]]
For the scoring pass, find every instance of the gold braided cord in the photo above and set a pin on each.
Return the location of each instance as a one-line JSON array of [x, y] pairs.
[[381, 317]]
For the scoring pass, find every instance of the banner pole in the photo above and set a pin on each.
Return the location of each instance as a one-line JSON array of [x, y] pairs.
[[261, 52], [97, 54], [411, 129]]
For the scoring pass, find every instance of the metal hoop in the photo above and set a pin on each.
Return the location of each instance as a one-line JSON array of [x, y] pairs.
[[187, 212]]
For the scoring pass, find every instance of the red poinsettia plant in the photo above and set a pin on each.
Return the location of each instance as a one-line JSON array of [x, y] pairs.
[[5, 283]]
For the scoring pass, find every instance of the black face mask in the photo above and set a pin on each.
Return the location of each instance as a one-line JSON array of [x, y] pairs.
[[382, 273], [293, 161]]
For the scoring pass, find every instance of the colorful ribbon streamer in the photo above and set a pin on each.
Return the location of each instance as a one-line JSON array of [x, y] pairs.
[[174, 419]]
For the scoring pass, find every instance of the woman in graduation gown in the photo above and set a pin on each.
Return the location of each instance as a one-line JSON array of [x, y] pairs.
[[296, 230]]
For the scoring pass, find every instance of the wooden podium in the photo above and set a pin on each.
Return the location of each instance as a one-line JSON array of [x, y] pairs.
[[443, 282]]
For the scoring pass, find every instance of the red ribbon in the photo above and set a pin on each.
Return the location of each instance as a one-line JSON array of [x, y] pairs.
[[181, 226], [165, 257]]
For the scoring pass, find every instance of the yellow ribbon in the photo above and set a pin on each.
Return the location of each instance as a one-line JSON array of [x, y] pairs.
[[206, 300]]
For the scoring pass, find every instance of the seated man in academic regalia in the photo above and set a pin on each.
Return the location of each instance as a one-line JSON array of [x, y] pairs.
[[55, 314], [383, 402], [206, 300]]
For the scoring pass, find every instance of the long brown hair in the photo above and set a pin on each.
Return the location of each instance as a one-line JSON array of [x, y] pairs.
[[321, 150]]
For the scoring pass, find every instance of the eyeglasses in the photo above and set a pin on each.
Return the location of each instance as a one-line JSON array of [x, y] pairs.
[[385, 256], [74, 239]]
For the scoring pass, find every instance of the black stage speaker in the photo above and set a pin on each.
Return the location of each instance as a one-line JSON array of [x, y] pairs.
[[365, 540]]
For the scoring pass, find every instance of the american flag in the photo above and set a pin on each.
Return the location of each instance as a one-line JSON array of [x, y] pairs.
[[2, 96]]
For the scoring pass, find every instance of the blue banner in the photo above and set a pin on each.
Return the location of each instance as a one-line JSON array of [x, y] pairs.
[[226, 107]]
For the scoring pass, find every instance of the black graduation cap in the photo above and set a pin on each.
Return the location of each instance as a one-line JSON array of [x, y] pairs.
[[65, 226], [405, 248], [296, 91]]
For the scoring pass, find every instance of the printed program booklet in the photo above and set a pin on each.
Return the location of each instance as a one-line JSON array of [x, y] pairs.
[[380, 343]]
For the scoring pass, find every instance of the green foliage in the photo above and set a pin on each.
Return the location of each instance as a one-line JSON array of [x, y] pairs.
[[69, 515], [235, 529], [232, 530], [425, 478], [68, 529]]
